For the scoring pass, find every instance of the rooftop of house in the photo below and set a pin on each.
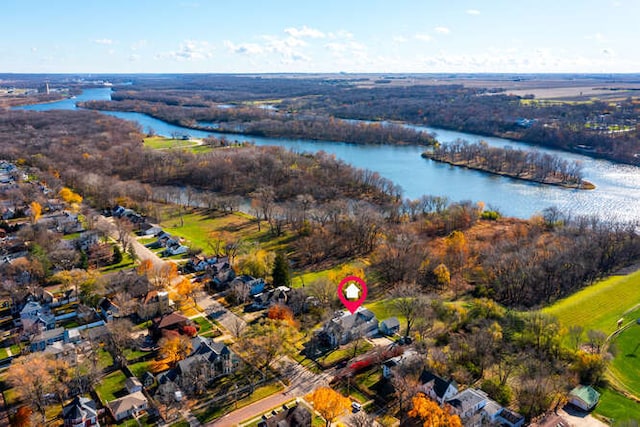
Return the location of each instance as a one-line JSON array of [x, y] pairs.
[[349, 320], [440, 385], [171, 319], [128, 402], [391, 322], [79, 408], [468, 399]]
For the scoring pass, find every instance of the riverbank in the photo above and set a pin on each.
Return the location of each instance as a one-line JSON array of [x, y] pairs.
[[582, 185]]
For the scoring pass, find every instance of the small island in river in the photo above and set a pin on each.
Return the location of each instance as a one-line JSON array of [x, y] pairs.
[[534, 166]]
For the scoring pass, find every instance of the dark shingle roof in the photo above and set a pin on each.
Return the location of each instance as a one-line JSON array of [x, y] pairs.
[[440, 385]]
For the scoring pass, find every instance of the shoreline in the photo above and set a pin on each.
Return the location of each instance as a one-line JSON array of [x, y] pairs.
[[585, 185]]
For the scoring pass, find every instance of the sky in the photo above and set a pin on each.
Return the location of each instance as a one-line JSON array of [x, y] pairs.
[[275, 36]]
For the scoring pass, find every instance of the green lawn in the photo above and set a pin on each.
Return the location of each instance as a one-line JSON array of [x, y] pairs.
[[625, 367], [344, 353], [616, 406], [134, 354], [104, 358], [138, 369], [162, 143], [110, 385], [196, 226], [599, 306], [205, 325], [126, 263]]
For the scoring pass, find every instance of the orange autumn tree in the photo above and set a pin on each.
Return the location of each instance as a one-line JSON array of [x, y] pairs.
[[36, 211], [281, 312], [431, 414], [329, 403]]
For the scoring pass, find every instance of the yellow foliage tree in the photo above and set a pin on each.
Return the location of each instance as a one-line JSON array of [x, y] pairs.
[[329, 403], [185, 288], [69, 196], [345, 271], [175, 348], [36, 211], [431, 414]]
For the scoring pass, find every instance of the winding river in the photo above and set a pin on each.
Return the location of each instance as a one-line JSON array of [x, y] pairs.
[[616, 197]]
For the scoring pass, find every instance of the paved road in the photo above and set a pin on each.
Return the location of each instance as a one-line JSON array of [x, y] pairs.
[[302, 382]]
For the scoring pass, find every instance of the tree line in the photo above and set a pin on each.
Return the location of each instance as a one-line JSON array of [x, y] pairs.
[[529, 165], [261, 122]]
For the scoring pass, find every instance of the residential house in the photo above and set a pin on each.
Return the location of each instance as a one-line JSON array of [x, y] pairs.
[[80, 412], [295, 416], [389, 365], [108, 310], [169, 322], [155, 303], [491, 411], [390, 326], [34, 315], [175, 249], [250, 284], [347, 326], [279, 295], [468, 404], [436, 387], [584, 397], [45, 338], [133, 384], [66, 352], [129, 405], [508, 418], [148, 229], [148, 379]]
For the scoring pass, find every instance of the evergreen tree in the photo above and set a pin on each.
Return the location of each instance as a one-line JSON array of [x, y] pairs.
[[280, 274], [117, 255]]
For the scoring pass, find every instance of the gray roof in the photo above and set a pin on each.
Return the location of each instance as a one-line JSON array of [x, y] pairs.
[[391, 322], [440, 385], [467, 399], [79, 408]]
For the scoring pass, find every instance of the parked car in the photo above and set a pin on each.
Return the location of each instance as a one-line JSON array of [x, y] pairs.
[[356, 406]]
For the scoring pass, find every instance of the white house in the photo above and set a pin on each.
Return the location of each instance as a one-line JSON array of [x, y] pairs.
[[128, 405]]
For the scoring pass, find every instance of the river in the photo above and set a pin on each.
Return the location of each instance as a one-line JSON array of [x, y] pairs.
[[616, 197]]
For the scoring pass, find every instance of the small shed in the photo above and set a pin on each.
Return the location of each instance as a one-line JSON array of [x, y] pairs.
[[133, 385], [390, 326], [584, 397]]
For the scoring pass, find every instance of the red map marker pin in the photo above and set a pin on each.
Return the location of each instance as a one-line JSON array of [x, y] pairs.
[[352, 291]]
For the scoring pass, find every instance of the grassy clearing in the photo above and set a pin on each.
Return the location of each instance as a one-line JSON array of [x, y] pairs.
[[162, 143], [615, 406], [197, 225], [625, 366], [138, 369], [599, 306], [111, 385]]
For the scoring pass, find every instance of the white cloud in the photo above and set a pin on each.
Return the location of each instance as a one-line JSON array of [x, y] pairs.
[[472, 12], [103, 41], [244, 48], [423, 37], [341, 34], [442, 30], [34, 49], [305, 32], [399, 39], [134, 57], [190, 50]]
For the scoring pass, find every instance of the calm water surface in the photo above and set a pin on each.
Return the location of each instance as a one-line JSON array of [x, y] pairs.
[[617, 193]]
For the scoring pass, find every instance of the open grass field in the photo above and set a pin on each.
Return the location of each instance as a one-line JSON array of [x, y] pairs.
[[625, 366], [599, 306], [162, 143], [197, 225], [615, 406]]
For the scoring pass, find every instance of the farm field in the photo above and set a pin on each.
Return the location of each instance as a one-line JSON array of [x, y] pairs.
[[625, 367], [599, 306]]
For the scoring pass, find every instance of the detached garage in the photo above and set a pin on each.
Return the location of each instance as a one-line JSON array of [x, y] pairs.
[[584, 397]]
